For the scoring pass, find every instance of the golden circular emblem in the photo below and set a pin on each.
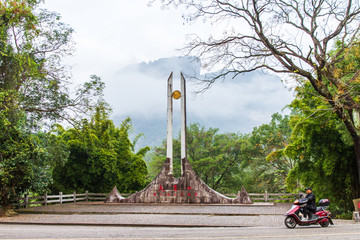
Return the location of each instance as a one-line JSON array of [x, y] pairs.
[[176, 94]]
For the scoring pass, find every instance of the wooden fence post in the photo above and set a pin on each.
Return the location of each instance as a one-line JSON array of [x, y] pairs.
[[86, 196], [26, 200], [74, 196], [60, 197], [266, 196], [45, 199]]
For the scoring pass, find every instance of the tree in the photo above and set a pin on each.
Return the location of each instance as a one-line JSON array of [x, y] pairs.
[[26, 160], [100, 157], [34, 90], [290, 37], [267, 160], [323, 149], [32, 77]]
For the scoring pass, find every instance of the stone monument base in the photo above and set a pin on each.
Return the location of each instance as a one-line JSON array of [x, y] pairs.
[[188, 188]]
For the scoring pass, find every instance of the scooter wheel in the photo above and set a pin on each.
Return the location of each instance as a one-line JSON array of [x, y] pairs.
[[290, 222], [324, 224]]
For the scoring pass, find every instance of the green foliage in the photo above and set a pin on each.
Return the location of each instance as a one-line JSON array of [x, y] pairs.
[[268, 168], [32, 76], [324, 132], [345, 215], [227, 161], [14, 161], [26, 159], [324, 151], [100, 157], [216, 158], [34, 88]]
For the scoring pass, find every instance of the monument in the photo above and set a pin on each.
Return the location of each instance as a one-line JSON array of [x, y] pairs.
[[188, 188]]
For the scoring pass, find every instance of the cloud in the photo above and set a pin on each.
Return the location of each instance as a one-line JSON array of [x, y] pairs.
[[242, 103], [110, 34], [141, 89], [239, 104], [129, 45]]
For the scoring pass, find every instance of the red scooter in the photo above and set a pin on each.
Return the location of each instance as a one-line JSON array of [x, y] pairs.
[[321, 215]]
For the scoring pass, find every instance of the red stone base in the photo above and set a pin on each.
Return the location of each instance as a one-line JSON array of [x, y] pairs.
[[188, 188]]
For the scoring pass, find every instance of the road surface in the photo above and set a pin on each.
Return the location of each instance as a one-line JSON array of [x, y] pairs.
[[346, 231]]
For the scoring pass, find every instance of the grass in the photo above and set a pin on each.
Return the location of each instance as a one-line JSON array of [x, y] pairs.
[[344, 215]]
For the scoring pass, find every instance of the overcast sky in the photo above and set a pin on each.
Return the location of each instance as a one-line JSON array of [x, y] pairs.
[[111, 35]]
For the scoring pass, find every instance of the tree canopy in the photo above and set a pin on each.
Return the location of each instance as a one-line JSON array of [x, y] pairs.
[[323, 149], [26, 159], [226, 161], [267, 163], [216, 158], [34, 91], [33, 78], [101, 156], [305, 39]]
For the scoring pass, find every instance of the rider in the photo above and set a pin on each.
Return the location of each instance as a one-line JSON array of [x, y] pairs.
[[310, 206]]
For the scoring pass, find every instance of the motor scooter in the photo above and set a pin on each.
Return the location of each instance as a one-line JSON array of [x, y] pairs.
[[321, 215]]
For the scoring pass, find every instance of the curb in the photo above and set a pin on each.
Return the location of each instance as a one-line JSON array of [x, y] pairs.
[[125, 225], [147, 213], [255, 204]]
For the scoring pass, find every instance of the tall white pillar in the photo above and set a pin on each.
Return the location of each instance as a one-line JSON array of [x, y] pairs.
[[169, 144], [183, 121]]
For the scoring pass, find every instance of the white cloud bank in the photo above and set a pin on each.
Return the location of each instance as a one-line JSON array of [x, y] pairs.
[[239, 104]]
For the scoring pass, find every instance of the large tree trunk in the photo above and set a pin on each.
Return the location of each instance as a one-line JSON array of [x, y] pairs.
[[4, 201], [357, 154], [4, 209], [352, 125]]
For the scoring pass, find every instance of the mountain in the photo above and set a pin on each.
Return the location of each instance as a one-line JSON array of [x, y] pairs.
[[233, 105]]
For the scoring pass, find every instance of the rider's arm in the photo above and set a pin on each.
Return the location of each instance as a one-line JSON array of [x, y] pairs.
[[310, 197]]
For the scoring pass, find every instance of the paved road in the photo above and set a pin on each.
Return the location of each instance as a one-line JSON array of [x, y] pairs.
[[256, 215], [346, 231], [120, 221], [101, 208], [154, 215], [153, 220]]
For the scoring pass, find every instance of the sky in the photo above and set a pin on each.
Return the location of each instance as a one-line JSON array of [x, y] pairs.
[[114, 39], [111, 34]]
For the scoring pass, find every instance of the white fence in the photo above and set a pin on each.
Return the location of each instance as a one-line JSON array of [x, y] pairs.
[[270, 197], [45, 199]]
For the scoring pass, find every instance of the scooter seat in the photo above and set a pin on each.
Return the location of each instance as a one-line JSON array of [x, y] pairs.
[[319, 209]]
